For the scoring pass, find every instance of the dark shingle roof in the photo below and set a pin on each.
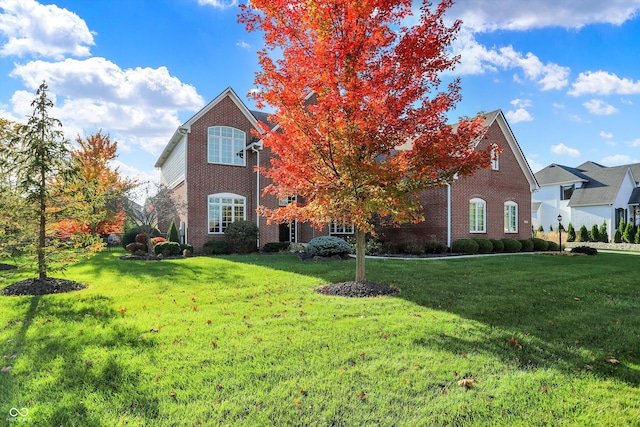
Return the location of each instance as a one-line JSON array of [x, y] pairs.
[[559, 174]]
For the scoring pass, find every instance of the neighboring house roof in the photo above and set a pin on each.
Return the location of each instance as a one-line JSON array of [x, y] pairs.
[[253, 116], [601, 184]]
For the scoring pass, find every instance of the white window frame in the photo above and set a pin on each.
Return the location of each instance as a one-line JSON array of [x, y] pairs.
[[474, 224], [220, 204], [231, 145], [341, 228], [510, 217], [495, 159]]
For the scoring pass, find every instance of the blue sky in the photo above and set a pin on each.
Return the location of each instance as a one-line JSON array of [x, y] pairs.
[[565, 73]]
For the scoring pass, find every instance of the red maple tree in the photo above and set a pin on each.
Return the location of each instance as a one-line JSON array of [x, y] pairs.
[[360, 110]]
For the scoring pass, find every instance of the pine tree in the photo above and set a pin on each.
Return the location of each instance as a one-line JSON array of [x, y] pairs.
[[583, 234], [636, 240], [172, 234], [594, 236], [628, 234], [617, 238], [604, 234], [571, 233]]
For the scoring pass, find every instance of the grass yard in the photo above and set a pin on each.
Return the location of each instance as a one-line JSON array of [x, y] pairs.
[[244, 341]]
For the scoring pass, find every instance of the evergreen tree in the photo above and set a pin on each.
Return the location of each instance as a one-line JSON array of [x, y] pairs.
[[172, 234], [583, 234], [594, 236], [636, 240], [621, 226], [571, 233], [550, 228], [604, 234], [628, 234], [541, 229], [617, 238]]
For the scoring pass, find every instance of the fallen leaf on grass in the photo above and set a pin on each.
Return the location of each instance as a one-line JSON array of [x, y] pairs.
[[515, 343], [588, 367], [576, 299], [467, 382], [89, 363], [362, 395], [613, 361], [173, 395], [544, 389], [6, 369]]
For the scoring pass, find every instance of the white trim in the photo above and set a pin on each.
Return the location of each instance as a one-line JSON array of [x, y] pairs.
[[243, 144], [478, 202], [225, 196], [507, 216]]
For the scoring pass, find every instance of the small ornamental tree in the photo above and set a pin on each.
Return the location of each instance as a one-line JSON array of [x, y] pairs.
[[617, 238], [636, 240], [628, 235], [571, 233], [583, 234], [604, 234], [361, 115], [621, 226], [172, 234], [594, 235]]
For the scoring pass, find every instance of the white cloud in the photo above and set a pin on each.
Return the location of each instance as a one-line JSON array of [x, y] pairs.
[[31, 28], [616, 159], [599, 107], [220, 4], [477, 59], [603, 83], [562, 149], [243, 44], [519, 115], [606, 135], [635, 142], [491, 15]]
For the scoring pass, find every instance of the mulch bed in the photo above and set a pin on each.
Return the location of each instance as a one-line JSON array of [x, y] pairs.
[[358, 289], [42, 287], [7, 267]]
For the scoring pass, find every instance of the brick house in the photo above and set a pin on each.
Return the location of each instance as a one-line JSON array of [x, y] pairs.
[[210, 162]]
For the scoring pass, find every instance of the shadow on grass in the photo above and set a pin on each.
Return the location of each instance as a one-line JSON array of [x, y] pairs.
[[52, 376], [574, 314]]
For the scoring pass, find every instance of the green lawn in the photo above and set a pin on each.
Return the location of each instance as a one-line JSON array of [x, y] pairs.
[[243, 341]]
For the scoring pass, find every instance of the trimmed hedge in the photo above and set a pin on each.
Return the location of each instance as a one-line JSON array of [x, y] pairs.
[[242, 236], [130, 235], [584, 250], [435, 247], [498, 246], [553, 246], [511, 245], [276, 246], [215, 247], [540, 245], [465, 246], [328, 246], [484, 245], [527, 245], [167, 248]]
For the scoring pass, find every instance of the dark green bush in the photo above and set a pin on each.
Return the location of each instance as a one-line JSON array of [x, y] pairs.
[[435, 247], [527, 245], [511, 245], [604, 234], [276, 246], [571, 233], [328, 246], [167, 248], [617, 238], [134, 247], [594, 234], [130, 235], [484, 245], [553, 246], [172, 234], [215, 247], [540, 244], [465, 246], [584, 250], [498, 246], [629, 233], [541, 229], [242, 236], [583, 234], [412, 248], [186, 247]]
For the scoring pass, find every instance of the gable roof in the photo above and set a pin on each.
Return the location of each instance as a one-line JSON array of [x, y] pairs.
[[253, 116], [601, 184]]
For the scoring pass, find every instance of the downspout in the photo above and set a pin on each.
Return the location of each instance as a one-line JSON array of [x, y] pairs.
[[448, 214], [256, 147]]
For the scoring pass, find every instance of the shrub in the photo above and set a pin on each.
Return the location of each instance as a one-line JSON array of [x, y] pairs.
[[498, 246], [276, 246], [629, 233], [553, 246], [435, 247], [571, 233], [594, 234], [583, 234], [636, 240], [215, 247], [511, 245], [167, 248], [584, 250], [186, 247], [484, 245], [328, 246], [527, 245], [604, 234], [541, 244], [156, 240], [373, 246], [465, 246], [242, 236], [413, 248], [130, 236], [134, 247], [172, 234], [617, 238], [141, 238], [541, 229]]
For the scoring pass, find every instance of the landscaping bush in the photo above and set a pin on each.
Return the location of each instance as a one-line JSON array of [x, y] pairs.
[[584, 250], [172, 234], [136, 248], [328, 246], [629, 233], [465, 246], [167, 248], [435, 247], [617, 238], [541, 244], [156, 240], [604, 234], [412, 248], [498, 246], [511, 245], [373, 246], [594, 234], [553, 246], [186, 247], [215, 247], [571, 233], [130, 235], [583, 234], [527, 245], [540, 229], [242, 236], [636, 240], [484, 245], [276, 246]]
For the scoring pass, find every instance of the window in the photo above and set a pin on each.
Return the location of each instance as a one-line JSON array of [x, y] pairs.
[[566, 191], [477, 216], [226, 146], [495, 159], [341, 228], [224, 209], [510, 217]]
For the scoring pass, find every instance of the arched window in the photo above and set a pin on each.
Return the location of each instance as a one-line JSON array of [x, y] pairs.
[[225, 208], [226, 145], [510, 217], [477, 216]]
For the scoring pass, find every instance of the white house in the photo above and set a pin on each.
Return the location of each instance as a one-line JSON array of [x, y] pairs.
[[588, 195]]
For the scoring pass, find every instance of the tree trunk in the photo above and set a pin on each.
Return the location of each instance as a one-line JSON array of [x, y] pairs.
[[42, 243], [360, 253]]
